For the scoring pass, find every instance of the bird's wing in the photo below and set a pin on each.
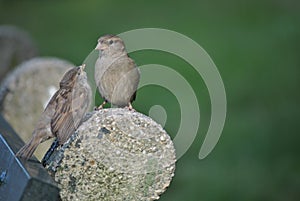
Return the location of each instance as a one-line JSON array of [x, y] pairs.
[[135, 79], [62, 122], [70, 109]]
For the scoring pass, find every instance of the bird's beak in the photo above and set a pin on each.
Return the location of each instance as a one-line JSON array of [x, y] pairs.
[[82, 67], [98, 46], [101, 46]]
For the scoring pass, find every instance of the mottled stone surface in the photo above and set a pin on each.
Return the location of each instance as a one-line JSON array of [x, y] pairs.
[[26, 91], [116, 154], [16, 46]]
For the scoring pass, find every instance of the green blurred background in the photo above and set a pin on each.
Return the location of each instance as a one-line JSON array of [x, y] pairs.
[[255, 45]]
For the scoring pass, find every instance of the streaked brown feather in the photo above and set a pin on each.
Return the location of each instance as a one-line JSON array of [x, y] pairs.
[[71, 107]]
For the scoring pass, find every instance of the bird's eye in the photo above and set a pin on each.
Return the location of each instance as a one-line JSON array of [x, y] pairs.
[[111, 42]]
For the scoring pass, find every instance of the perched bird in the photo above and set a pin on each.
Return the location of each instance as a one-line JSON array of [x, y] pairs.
[[64, 112], [116, 74]]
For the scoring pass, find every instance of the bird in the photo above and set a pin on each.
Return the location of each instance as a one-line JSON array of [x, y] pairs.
[[116, 74], [64, 112]]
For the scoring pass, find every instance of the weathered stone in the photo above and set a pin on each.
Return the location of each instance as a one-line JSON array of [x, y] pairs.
[[116, 154], [16, 46]]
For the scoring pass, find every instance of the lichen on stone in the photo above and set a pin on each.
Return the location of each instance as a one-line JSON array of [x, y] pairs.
[[116, 154]]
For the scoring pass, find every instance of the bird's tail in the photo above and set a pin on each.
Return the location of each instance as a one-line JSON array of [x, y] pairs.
[[28, 149]]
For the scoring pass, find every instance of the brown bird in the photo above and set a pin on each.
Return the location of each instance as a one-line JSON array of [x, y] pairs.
[[116, 74], [64, 112]]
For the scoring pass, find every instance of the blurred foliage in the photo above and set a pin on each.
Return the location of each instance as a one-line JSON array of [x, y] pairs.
[[255, 45]]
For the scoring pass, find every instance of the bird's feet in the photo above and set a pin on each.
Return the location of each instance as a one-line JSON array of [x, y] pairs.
[[97, 108], [100, 106], [130, 108]]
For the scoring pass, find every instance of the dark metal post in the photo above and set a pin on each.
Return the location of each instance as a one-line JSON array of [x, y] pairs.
[[19, 179]]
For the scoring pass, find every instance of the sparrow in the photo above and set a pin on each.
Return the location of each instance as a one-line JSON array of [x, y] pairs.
[[64, 112], [116, 74]]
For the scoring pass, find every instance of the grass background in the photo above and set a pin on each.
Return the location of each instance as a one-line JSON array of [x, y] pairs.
[[255, 45]]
